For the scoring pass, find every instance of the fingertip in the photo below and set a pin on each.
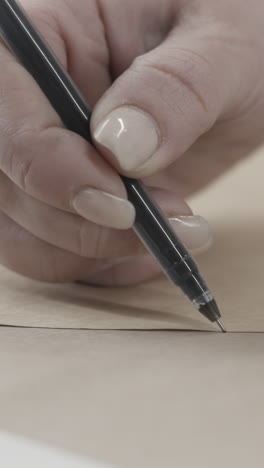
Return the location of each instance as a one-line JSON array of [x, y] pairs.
[[194, 231], [127, 271]]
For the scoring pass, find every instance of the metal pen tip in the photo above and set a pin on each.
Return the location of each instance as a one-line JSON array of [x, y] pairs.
[[221, 326]]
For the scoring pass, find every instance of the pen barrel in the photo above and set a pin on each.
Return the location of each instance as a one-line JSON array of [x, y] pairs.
[[160, 239]]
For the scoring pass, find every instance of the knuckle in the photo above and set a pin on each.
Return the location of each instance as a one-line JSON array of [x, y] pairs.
[[183, 76], [21, 151], [82, 243], [6, 192], [90, 240], [16, 159]]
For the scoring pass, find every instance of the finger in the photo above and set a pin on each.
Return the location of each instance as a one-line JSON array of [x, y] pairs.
[[77, 38], [165, 101], [27, 255], [74, 234], [128, 271], [50, 163], [62, 229], [133, 270], [207, 161]]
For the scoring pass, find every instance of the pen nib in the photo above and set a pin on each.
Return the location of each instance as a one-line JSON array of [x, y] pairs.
[[221, 326], [211, 312]]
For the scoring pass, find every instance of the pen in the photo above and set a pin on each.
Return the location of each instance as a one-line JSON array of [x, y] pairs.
[[150, 224]]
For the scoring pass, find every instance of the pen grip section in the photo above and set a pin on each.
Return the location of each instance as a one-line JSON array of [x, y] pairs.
[[160, 239]]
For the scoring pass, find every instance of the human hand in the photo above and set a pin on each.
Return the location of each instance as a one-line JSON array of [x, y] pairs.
[[188, 77]]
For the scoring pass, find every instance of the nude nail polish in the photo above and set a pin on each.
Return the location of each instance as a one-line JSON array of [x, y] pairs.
[[194, 231], [104, 209], [130, 135]]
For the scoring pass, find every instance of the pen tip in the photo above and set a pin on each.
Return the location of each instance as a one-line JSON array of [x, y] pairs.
[[221, 326]]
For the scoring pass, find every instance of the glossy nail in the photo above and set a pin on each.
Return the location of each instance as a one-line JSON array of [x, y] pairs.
[[130, 135], [194, 231]]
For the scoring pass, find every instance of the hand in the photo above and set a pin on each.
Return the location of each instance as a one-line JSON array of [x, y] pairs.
[[186, 104]]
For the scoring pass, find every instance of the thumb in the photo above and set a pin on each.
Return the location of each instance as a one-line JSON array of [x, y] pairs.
[[167, 99]]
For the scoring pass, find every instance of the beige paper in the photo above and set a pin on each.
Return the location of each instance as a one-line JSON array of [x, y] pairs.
[[137, 399], [234, 269]]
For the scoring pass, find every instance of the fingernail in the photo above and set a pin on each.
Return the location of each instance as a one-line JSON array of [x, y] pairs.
[[104, 209], [194, 231], [131, 136]]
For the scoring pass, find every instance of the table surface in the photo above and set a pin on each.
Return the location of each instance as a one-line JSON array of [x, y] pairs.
[[137, 399]]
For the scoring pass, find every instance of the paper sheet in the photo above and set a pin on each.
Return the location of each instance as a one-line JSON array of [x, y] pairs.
[[137, 399], [233, 268]]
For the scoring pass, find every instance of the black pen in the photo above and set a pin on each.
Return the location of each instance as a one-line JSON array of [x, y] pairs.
[[150, 224]]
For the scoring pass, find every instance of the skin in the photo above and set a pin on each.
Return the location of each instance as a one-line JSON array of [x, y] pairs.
[[195, 66]]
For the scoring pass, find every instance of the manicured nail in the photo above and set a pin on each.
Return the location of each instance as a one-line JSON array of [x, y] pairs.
[[194, 231], [131, 136], [104, 209]]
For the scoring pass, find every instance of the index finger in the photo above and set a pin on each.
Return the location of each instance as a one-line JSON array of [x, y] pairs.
[[47, 161]]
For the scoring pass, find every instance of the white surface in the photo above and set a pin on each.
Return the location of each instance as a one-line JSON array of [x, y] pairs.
[[16, 452]]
